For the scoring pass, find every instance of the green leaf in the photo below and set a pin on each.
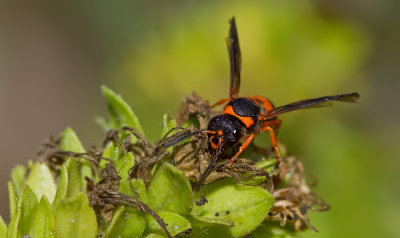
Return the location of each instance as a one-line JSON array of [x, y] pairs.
[[70, 142], [74, 218], [121, 114], [167, 124], [86, 171], [205, 229], [112, 152], [246, 206], [138, 185], [170, 190], [124, 164], [26, 205], [3, 228], [41, 181], [18, 174], [42, 225], [268, 164], [29, 205], [223, 221], [69, 182], [155, 235], [12, 229], [176, 224], [266, 230], [126, 223], [12, 199]]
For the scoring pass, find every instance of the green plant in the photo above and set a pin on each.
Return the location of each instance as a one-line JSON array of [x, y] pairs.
[[130, 187]]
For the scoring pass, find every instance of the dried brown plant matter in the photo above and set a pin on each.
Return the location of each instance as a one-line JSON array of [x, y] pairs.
[[293, 195]]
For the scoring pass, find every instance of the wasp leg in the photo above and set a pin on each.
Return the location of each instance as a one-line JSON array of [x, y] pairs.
[[246, 143], [268, 127], [222, 101], [275, 124]]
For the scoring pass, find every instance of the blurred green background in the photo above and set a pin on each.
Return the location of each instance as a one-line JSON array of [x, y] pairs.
[[55, 55]]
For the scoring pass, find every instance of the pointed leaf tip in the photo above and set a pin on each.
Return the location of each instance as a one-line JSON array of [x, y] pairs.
[[70, 141], [121, 114], [41, 181]]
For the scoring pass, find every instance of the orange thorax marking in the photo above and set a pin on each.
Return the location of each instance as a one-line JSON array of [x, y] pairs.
[[265, 102], [247, 121]]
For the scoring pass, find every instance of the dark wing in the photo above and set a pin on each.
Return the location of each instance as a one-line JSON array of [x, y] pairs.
[[312, 103], [235, 59]]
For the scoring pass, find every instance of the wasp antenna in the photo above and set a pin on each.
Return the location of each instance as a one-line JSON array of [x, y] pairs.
[[170, 131], [180, 136]]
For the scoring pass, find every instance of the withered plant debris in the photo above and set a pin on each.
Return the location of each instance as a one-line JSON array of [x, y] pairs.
[[146, 154], [194, 106], [295, 198], [293, 195], [47, 149], [106, 196], [51, 153]]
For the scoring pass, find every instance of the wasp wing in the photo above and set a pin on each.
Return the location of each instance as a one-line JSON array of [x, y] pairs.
[[312, 103], [235, 59]]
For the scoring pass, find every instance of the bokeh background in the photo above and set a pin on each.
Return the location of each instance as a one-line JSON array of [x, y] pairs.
[[54, 56]]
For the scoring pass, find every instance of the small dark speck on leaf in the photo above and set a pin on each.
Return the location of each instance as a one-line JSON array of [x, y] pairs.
[[216, 214], [203, 200], [227, 212]]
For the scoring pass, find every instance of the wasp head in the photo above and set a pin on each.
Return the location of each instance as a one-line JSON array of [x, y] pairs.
[[228, 131]]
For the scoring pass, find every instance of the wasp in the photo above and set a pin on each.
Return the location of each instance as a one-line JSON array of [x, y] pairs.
[[244, 117]]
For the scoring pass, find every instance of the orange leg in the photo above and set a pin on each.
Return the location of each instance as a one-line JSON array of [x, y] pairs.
[[208, 132], [222, 101], [246, 143], [275, 124], [267, 127]]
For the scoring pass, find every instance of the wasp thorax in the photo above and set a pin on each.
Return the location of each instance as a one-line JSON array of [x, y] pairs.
[[245, 107]]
